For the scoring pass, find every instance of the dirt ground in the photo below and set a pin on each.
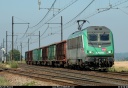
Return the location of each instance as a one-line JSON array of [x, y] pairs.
[[16, 80]]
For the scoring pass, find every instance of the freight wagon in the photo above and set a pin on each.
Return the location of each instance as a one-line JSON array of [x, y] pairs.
[[54, 55]]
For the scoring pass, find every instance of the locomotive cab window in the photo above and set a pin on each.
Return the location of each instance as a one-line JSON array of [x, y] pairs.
[[93, 37], [104, 37]]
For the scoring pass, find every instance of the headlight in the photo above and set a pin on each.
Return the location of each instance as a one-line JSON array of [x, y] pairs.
[[109, 51], [90, 52]]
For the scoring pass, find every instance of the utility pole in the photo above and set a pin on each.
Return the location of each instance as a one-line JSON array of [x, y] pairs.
[[13, 33], [12, 38], [21, 52], [6, 47], [39, 39], [28, 44], [61, 28], [61, 23]]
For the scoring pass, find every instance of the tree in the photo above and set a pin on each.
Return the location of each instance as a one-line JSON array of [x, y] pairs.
[[16, 54]]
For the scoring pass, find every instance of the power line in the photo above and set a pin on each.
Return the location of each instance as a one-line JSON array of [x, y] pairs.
[[45, 30], [120, 3], [45, 14], [55, 14], [71, 3], [111, 7], [96, 12], [40, 21], [123, 11], [25, 32], [81, 12]]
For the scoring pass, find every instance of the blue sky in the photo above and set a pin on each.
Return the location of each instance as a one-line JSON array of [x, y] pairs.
[[27, 11]]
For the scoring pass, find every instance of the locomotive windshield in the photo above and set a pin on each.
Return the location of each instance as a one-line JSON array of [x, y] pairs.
[[92, 37], [104, 37], [98, 37]]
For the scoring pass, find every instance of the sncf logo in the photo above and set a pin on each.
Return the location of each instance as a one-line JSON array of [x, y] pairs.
[[103, 49]]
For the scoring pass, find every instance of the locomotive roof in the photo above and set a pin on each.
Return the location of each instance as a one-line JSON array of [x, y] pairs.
[[97, 29], [91, 29]]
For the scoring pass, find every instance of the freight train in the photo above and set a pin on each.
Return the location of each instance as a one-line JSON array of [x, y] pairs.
[[91, 48]]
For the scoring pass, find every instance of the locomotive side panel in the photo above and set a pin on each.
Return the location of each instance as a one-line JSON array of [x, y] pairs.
[[75, 49]]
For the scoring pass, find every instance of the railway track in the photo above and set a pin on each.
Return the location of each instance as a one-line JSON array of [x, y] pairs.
[[43, 77], [3, 69], [77, 74], [118, 73], [68, 77], [85, 72], [63, 79]]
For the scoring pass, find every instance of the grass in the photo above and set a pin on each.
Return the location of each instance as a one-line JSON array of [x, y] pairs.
[[10, 64], [13, 64], [119, 66], [3, 81], [118, 69], [32, 83]]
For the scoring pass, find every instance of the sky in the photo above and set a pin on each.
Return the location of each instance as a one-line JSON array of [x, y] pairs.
[[110, 13]]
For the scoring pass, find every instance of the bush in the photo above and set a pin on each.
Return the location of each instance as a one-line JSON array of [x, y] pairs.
[[13, 64]]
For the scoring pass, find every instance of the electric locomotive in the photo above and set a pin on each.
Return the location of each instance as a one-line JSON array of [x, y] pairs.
[[92, 47]]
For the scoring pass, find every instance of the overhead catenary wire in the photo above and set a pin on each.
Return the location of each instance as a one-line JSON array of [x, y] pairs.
[[123, 11], [45, 15], [25, 32], [71, 3], [40, 21], [45, 31], [81, 12], [96, 12], [56, 15]]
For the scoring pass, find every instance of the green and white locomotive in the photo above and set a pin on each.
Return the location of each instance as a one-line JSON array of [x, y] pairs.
[[92, 47]]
